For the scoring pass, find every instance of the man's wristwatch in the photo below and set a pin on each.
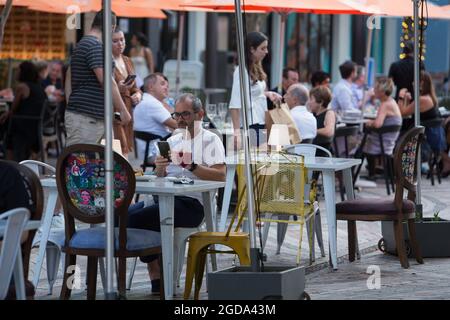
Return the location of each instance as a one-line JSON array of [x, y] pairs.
[[193, 167]]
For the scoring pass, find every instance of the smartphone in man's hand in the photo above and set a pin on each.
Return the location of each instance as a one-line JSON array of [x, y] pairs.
[[164, 149]]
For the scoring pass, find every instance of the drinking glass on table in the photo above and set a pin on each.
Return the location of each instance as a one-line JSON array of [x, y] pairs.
[[222, 110], [211, 110]]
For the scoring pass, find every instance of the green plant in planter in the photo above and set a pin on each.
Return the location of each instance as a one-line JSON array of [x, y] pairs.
[[436, 216]]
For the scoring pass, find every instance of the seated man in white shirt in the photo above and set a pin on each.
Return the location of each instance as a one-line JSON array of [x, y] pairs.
[[203, 158], [150, 115], [296, 98]]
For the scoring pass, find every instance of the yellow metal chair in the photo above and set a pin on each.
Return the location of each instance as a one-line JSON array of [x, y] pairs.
[[199, 244], [280, 195]]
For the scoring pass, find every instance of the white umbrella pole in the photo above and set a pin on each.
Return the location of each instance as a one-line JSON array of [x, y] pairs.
[[366, 81], [179, 51], [416, 103], [283, 16], [245, 101], [110, 293]]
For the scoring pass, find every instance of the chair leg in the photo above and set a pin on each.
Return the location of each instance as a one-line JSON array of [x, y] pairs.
[[414, 242], [66, 288], [281, 231], [310, 231], [199, 271], [400, 242], [91, 278], [131, 274], [53, 254], [190, 269], [122, 274], [351, 228], [266, 230], [391, 172], [318, 232], [437, 159], [386, 179]]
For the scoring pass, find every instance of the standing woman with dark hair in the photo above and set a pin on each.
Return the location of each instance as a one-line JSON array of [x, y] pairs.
[[142, 57], [256, 50], [29, 98], [129, 92]]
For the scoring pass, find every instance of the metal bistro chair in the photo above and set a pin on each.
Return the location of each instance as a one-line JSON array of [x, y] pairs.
[[304, 150], [10, 258], [397, 209], [280, 192], [80, 177], [199, 244], [56, 237]]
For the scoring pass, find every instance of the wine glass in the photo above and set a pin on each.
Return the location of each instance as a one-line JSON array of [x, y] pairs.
[[222, 110], [211, 110], [182, 154]]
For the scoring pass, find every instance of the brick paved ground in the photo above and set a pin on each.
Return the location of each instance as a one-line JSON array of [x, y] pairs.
[[349, 282]]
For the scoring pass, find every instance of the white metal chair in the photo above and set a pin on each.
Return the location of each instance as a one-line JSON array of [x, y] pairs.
[[54, 238], [304, 150], [11, 255]]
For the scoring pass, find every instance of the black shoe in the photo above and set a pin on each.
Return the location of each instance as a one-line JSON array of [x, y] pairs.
[[156, 286]]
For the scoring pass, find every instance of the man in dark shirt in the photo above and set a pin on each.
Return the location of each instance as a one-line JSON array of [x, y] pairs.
[[84, 116], [290, 77], [402, 71]]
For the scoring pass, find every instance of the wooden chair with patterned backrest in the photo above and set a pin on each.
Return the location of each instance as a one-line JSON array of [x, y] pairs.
[[80, 177], [387, 209]]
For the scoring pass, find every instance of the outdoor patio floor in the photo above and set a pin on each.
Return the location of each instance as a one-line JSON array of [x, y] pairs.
[[428, 281]]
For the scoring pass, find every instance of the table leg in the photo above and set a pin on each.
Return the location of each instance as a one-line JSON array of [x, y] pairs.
[[231, 170], [46, 223], [348, 182], [166, 213], [330, 204], [19, 280]]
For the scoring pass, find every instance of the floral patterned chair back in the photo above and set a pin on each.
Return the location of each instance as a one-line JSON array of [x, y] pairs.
[[405, 162], [81, 180]]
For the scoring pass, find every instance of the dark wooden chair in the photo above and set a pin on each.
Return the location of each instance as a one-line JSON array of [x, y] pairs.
[[34, 198], [80, 177], [343, 133], [432, 128], [388, 160], [147, 137], [385, 209]]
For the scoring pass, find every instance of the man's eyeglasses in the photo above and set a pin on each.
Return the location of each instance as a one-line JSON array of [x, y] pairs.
[[186, 115]]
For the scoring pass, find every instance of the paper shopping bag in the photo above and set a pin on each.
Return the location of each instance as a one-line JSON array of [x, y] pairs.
[[282, 115]]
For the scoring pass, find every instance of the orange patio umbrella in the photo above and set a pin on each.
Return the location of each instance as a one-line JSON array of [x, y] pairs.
[[283, 7], [121, 8], [306, 6], [397, 8]]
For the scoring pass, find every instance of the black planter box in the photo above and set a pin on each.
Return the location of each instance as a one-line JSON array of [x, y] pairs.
[[240, 283], [433, 238]]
